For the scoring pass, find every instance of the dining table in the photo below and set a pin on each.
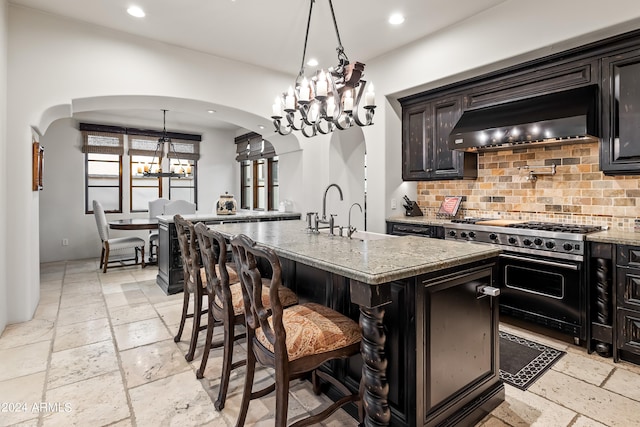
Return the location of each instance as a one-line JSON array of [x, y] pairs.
[[135, 224]]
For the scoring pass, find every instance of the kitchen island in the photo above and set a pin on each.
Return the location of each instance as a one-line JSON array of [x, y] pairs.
[[430, 348], [170, 275]]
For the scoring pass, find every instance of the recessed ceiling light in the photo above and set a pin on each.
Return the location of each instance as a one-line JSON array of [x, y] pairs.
[[261, 126], [211, 111], [136, 11], [396, 19], [313, 62]]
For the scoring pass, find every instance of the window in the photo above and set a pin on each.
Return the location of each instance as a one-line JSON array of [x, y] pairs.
[[143, 189], [259, 183], [184, 188], [274, 187], [103, 166], [245, 185], [104, 151], [143, 156], [183, 156]]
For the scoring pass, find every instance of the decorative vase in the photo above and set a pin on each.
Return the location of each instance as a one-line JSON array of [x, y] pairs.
[[226, 204]]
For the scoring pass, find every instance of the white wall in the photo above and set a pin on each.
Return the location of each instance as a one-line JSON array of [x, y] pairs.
[[52, 61], [62, 202], [4, 179]]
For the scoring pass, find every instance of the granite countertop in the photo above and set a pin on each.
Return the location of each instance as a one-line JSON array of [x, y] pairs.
[[615, 236], [380, 259], [240, 215]]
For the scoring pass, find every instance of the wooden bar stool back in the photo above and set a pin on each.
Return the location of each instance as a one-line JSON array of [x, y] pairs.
[[294, 341], [193, 283], [226, 306], [213, 252]]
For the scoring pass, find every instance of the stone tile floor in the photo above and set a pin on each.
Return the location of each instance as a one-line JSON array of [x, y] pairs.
[[99, 351]]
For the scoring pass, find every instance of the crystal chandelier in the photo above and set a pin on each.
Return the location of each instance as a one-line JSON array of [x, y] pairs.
[[181, 172], [329, 99]]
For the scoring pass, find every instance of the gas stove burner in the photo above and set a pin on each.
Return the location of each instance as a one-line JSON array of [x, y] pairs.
[[562, 228]]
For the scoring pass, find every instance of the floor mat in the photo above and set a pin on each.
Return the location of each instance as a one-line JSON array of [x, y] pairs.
[[523, 361]]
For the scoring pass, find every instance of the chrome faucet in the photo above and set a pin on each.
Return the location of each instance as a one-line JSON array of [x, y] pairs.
[[324, 199], [330, 222], [350, 229]]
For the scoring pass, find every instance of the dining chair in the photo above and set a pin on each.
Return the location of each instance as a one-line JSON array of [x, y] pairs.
[[226, 307], [117, 244], [181, 207], [156, 207], [294, 341], [193, 282]]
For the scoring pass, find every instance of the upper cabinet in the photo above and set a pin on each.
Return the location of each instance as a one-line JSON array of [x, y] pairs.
[[612, 64], [426, 125], [620, 147], [536, 80]]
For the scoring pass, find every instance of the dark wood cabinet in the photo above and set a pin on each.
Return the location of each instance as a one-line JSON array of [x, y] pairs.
[[435, 324], [539, 80], [426, 125], [170, 275], [620, 147], [615, 301], [601, 294], [612, 64], [414, 229]]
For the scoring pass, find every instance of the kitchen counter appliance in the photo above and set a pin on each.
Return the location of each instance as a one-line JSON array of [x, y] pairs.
[[541, 269]]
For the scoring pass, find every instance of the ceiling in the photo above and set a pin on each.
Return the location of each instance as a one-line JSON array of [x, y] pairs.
[[270, 33]]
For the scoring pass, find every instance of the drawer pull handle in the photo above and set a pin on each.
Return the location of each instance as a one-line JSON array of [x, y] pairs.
[[486, 290]]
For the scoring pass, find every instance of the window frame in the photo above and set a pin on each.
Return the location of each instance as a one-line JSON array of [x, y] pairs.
[[269, 185], [187, 147], [88, 207], [132, 186]]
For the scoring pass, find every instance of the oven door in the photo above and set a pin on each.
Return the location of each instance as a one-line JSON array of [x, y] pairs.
[[545, 291]]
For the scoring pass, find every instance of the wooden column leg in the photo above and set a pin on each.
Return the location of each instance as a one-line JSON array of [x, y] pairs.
[[374, 368]]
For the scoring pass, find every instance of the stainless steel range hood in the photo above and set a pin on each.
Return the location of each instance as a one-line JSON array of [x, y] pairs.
[[562, 117]]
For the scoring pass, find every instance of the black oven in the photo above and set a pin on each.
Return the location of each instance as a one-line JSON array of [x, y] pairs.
[[544, 290]]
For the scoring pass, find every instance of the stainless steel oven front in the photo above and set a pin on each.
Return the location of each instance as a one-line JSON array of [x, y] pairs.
[[544, 290]]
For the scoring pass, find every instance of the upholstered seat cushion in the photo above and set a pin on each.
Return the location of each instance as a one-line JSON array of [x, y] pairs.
[[312, 329], [233, 276], [125, 243], [287, 297]]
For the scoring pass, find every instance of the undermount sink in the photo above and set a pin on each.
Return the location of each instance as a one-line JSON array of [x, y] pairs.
[[369, 235], [360, 235]]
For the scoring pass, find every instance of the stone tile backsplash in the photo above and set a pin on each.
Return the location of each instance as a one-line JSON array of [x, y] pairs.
[[578, 193]]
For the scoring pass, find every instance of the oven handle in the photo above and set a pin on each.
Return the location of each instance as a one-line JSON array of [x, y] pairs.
[[539, 261]]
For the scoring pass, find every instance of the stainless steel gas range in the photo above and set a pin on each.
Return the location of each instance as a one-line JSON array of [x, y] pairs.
[[541, 272]]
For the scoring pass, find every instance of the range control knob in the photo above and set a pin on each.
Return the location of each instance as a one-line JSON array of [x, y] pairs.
[[527, 242], [472, 234], [493, 236], [512, 240], [538, 241], [567, 246], [452, 233], [463, 234], [550, 244]]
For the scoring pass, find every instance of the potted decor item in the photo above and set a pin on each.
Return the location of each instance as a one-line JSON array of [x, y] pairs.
[[226, 204]]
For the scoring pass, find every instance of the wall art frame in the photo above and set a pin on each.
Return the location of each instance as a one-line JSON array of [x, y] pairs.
[[37, 166]]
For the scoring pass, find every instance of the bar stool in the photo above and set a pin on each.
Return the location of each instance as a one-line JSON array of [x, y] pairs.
[[193, 283], [294, 341], [226, 307]]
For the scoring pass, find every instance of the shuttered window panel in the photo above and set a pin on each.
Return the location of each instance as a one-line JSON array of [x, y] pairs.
[[184, 150], [102, 142], [144, 146], [254, 148]]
